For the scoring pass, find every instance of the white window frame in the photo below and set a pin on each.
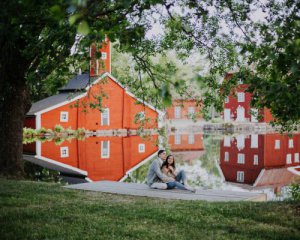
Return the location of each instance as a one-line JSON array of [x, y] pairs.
[[296, 157], [97, 67], [142, 148], [103, 55], [255, 159], [177, 112], [241, 158], [103, 153], [64, 116], [191, 138], [291, 143], [240, 176], [254, 141], [227, 141], [105, 110], [277, 144], [177, 138], [64, 152], [191, 111], [240, 141], [288, 158], [226, 156], [241, 97]]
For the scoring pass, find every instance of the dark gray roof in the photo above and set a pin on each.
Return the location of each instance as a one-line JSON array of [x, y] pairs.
[[51, 101], [79, 82]]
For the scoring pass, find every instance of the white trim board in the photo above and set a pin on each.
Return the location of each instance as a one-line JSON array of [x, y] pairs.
[[63, 165], [137, 166]]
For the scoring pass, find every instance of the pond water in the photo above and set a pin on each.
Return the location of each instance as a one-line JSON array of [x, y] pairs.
[[265, 163]]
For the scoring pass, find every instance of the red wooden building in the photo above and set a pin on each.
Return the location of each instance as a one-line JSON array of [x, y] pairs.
[[74, 105], [97, 158], [184, 109], [237, 106], [259, 160]]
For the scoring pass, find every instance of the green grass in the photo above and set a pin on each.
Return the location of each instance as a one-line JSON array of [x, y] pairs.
[[36, 210]]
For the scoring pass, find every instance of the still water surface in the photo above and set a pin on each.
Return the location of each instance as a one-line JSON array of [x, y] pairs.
[[241, 162]]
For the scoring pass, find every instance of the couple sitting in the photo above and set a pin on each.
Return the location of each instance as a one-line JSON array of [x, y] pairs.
[[162, 174]]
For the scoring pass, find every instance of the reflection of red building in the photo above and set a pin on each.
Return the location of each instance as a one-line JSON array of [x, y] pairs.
[[78, 104], [184, 109], [237, 106], [186, 146], [186, 141], [99, 158], [259, 160]]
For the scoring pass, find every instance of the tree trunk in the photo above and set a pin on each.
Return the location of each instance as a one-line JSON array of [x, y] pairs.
[[13, 107], [14, 103]]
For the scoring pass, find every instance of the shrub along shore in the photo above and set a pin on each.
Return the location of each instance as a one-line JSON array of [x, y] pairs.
[[39, 210]]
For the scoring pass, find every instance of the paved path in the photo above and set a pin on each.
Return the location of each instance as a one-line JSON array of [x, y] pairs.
[[136, 189]]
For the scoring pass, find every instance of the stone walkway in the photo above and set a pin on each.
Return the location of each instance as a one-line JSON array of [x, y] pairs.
[[135, 189]]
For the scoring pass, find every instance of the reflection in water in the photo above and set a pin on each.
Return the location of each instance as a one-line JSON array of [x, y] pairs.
[[98, 158], [265, 163]]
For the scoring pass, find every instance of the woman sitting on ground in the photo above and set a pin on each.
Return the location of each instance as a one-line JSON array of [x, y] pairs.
[[180, 181]]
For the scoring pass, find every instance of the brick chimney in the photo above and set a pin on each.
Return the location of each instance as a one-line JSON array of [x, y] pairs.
[[101, 64]]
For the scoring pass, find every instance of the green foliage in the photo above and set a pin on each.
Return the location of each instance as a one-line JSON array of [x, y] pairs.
[[58, 128], [294, 190]]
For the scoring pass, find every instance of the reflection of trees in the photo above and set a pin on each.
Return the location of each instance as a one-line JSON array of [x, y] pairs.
[[212, 153], [139, 175]]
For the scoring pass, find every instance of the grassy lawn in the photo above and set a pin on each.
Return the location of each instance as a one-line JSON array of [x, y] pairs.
[[36, 210]]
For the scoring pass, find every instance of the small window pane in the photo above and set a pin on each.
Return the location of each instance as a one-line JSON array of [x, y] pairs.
[[177, 112], [105, 149], [241, 158], [226, 156], [103, 55], [191, 139], [177, 138], [105, 117], [64, 116], [291, 143], [64, 152], [254, 141], [255, 159], [289, 158], [296, 156], [141, 148], [227, 141], [240, 176], [277, 144], [241, 97]]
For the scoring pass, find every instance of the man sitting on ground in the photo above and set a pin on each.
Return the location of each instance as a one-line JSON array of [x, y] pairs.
[[155, 177]]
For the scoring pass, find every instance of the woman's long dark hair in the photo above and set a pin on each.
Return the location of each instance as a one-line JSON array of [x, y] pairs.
[[165, 163]]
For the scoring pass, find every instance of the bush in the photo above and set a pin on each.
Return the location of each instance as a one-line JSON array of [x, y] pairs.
[[294, 190]]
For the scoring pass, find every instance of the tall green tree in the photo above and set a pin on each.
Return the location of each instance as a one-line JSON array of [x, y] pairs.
[[36, 38]]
